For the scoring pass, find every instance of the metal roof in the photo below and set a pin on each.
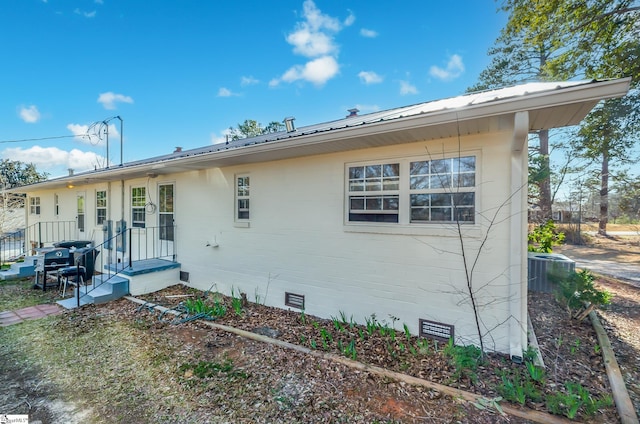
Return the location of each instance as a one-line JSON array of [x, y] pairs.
[[550, 105]]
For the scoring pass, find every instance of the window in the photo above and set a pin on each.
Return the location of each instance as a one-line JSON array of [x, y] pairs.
[[242, 198], [374, 192], [138, 212], [442, 190], [80, 203], [56, 205], [165, 211], [34, 205], [413, 191], [101, 207]]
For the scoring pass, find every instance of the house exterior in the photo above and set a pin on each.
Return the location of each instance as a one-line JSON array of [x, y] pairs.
[[395, 213]]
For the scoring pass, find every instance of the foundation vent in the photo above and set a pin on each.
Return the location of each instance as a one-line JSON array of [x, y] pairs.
[[184, 276], [436, 330], [294, 300]]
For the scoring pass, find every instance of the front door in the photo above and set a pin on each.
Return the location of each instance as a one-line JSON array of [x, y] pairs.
[[166, 233]]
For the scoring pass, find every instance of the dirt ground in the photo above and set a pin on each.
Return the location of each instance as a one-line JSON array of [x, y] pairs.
[[120, 363]]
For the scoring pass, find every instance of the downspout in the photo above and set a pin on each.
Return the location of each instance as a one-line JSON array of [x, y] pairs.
[[518, 233]]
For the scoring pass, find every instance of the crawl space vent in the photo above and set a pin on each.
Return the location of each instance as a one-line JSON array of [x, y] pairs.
[[294, 300], [184, 276], [436, 330]]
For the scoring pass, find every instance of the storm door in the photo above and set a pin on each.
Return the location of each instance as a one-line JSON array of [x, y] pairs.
[[81, 216], [166, 230]]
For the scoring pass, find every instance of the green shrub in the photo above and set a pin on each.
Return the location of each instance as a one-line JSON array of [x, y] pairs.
[[577, 293], [543, 237]]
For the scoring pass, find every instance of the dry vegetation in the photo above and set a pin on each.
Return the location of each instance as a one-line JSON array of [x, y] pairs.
[[118, 363]]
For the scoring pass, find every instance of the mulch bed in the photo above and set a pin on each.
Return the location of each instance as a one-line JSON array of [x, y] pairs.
[[569, 348]]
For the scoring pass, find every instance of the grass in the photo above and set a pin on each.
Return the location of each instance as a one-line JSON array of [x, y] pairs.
[[17, 294], [106, 350]]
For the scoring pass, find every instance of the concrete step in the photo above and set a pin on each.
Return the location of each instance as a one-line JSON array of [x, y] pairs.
[[101, 290], [19, 270]]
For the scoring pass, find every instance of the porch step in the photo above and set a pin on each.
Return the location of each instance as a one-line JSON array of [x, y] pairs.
[[101, 290], [20, 270]]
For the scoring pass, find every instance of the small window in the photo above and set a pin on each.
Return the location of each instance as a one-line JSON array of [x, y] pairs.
[[374, 193], [138, 201], [81, 212], [443, 190], [34, 205], [101, 207], [242, 198], [56, 205]]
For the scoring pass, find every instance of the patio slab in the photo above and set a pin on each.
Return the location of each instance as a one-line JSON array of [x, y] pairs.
[[31, 312]]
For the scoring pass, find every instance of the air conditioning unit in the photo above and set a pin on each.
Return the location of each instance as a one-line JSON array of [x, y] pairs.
[[541, 264]]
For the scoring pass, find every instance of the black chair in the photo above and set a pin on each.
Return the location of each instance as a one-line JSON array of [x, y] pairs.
[[82, 272]]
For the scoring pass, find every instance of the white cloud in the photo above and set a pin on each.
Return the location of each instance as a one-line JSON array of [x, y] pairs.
[[407, 88], [109, 99], [94, 134], [369, 77], [454, 69], [350, 19], [220, 138], [244, 81], [49, 159], [313, 37], [317, 71], [29, 114], [368, 33], [225, 92], [91, 14], [311, 44]]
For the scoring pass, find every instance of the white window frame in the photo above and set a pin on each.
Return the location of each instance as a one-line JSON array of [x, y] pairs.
[[34, 205], [138, 207], [56, 204], [101, 205], [242, 199], [404, 192]]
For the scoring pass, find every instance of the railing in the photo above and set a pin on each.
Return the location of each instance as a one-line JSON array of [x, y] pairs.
[[11, 246], [141, 244], [42, 233]]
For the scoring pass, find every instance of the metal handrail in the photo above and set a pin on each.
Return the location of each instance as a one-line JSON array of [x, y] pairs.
[[154, 238]]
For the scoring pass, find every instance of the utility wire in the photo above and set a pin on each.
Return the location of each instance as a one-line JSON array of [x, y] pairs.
[[43, 138]]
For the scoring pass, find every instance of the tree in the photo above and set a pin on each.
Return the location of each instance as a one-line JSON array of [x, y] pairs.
[[520, 54], [252, 128], [15, 174], [606, 136], [563, 39]]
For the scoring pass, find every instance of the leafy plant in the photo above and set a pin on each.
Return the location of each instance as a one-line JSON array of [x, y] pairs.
[[577, 293], [236, 302], [576, 399], [199, 307], [536, 373], [543, 237], [494, 403], [465, 359], [407, 333]]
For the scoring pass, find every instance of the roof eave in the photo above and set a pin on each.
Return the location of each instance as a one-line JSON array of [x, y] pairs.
[[580, 98]]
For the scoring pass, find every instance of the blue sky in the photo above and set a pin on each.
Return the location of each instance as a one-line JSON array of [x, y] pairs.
[[180, 73]]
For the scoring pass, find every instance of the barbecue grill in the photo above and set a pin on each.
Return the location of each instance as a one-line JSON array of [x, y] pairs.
[[47, 260]]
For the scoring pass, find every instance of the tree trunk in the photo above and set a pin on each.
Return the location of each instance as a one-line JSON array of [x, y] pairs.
[[545, 183], [604, 194]]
